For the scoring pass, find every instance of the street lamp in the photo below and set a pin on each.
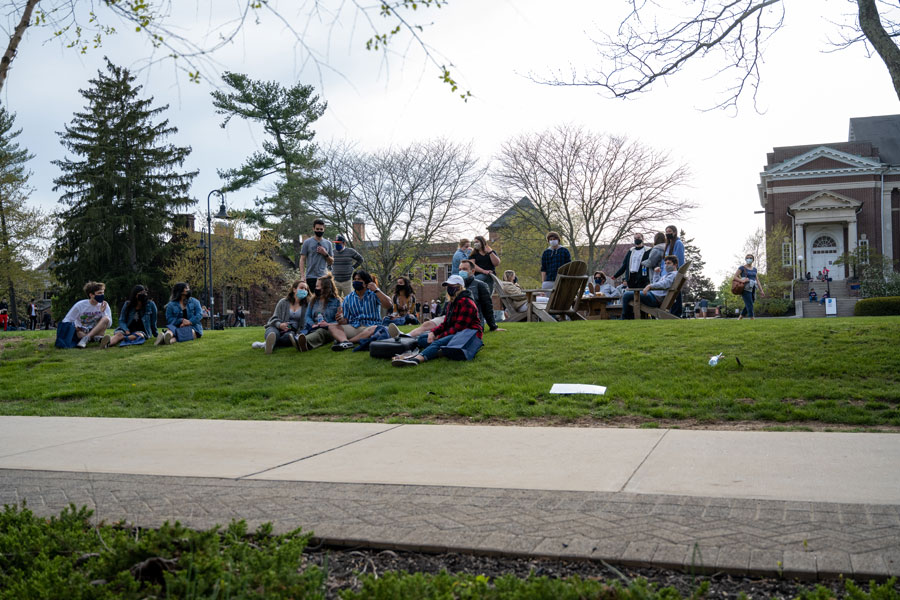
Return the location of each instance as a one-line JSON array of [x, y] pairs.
[[220, 215]]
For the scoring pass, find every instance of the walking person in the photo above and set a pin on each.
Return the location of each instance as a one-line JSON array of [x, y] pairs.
[[747, 274], [346, 261], [32, 315]]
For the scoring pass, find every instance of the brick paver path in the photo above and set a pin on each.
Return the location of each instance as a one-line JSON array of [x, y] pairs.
[[801, 539]]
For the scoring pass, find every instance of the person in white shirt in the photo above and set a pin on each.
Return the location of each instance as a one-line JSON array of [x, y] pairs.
[[91, 317]]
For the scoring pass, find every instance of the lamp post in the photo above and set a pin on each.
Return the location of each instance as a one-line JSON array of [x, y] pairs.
[[220, 215]]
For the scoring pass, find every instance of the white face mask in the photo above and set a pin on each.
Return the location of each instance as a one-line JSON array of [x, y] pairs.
[[477, 245], [749, 261], [554, 243]]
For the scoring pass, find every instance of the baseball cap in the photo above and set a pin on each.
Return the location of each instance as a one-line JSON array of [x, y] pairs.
[[454, 280]]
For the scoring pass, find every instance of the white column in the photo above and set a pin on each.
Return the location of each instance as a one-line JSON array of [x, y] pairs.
[[800, 249], [852, 236]]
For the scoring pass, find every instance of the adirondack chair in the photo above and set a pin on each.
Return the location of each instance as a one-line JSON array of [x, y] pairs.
[[509, 305], [571, 280], [662, 311]]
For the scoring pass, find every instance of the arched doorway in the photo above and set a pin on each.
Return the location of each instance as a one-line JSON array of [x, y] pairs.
[[824, 253]]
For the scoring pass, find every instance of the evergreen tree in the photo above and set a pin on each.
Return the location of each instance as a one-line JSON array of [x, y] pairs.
[[120, 190], [288, 152], [20, 226], [697, 286]]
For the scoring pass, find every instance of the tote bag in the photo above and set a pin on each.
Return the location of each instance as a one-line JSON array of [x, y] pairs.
[[464, 345]]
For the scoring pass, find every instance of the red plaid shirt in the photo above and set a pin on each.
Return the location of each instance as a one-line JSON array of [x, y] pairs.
[[462, 314]]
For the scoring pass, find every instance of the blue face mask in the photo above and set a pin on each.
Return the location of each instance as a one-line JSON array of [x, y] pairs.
[[463, 274], [338, 246], [300, 294]]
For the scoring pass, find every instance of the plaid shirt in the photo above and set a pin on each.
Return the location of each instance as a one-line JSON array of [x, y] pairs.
[[462, 314], [552, 260]]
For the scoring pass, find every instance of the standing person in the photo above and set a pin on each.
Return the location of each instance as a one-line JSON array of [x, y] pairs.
[[91, 316], [552, 259], [32, 315], [404, 301], [346, 260], [675, 247], [4, 314], [240, 319], [316, 255], [434, 308], [654, 260], [47, 320], [704, 307], [289, 318], [137, 319], [636, 276], [746, 273], [182, 311], [462, 314], [461, 254], [486, 261]]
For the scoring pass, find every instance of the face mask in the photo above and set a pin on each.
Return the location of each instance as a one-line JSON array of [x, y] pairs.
[[477, 245], [99, 297], [300, 294], [338, 246], [319, 233], [554, 243], [464, 274], [142, 297], [670, 268], [358, 285], [670, 236], [598, 281], [452, 290], [749, 261], [187, 293], [638, 242]]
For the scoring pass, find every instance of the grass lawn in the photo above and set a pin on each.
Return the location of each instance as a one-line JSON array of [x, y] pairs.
[[816, 371]]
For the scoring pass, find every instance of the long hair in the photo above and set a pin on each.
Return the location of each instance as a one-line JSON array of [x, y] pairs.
[[670, 246], [480, 238], [406, 288], [328, 291], [133, 299], [290, 293], [659, 238], [177, 291]]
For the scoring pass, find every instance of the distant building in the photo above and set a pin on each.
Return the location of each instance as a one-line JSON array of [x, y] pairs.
[[837, 197]]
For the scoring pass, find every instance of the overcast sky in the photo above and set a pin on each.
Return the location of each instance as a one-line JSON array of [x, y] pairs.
[[807, 96]]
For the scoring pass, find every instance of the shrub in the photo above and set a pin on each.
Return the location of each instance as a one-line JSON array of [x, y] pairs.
[[775, 307], [878, 307]]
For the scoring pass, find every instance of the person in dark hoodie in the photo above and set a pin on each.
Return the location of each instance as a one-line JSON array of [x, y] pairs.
[[462, 314], [480, 293], [635, 274]]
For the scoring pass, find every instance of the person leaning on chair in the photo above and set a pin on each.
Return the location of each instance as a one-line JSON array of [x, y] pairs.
[[552, 259], [653, 292], [631, 264]]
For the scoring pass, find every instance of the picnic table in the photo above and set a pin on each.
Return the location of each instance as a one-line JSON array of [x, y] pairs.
[[596, 307], [529, 299]]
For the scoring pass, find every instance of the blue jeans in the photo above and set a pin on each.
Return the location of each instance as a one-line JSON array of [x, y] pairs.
[[650, 299], [434, 347], [748, 297]]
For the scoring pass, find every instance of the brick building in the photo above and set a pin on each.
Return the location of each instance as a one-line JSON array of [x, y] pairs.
[[837, 197]]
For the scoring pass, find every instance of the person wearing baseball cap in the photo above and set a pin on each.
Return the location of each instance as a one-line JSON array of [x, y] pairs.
[[462, 314], [346, 261]]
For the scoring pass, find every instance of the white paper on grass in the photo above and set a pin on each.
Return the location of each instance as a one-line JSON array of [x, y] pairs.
[[577, 388]]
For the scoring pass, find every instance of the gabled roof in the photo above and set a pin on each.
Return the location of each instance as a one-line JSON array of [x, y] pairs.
[[825, 200], [882, 131], [522, 205], [822, 158]]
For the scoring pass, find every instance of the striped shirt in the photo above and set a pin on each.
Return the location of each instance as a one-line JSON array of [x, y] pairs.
[[362, 312], [345, 262]]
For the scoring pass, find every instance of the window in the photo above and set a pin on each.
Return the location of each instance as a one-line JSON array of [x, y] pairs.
[[863, 251], [824, 244], [429, 273], [787, 254]]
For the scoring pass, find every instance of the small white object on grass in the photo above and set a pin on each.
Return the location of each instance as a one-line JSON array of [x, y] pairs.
[[713, 361], [577, 388]]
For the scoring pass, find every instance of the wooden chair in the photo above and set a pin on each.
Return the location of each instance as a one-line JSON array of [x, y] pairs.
[[568, 288], [661, 311], [509, 305]]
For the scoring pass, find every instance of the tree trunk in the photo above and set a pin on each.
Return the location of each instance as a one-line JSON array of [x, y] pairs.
[[4, 240], [14, 40], [870, 23]]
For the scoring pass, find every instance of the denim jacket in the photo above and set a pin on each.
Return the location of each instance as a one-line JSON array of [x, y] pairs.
[[148, 318], [194, 315], [329, 313]]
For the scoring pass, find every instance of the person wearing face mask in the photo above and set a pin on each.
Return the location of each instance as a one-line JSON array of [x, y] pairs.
[[91, 316], [675, 247], [288, 318], [358, 317], [461, 314], [346, 260], [404, 303], [486, 261], [600, 285], [137, 321], [636, 276], [182, 312], [746, 274], [552, 259], [316, 255], [480, 293], [654, 292]]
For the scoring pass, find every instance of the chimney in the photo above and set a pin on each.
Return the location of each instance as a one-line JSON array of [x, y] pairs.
[[185, 221], [359, 232]]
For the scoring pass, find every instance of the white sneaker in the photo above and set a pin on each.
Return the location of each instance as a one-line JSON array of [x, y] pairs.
[[168, 338], [258, 345], [83, 342], [393, 330]]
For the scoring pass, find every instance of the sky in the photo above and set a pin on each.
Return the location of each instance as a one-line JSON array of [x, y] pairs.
[[496, 49]]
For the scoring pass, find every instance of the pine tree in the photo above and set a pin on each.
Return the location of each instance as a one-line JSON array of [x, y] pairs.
[[288, 152], [120, 190], [697, 286], [20, 226]]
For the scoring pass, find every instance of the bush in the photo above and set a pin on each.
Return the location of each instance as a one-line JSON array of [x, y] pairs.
[[774, 307], [878, 307]]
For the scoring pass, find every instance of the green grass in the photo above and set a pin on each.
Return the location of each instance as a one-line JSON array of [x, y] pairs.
[[831, 371]]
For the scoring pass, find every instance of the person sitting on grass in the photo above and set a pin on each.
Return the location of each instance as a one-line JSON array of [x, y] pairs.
[[404, 302], [360, 316], [462, 314], [323, 314], [182, 312], [813, 297], [288, 319], [91, 316], [653, 292], [137, 321]]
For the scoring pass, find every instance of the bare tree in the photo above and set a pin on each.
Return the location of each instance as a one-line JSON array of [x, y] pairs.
[[411, 197], [83, 25], [596, 188], [646, 47]]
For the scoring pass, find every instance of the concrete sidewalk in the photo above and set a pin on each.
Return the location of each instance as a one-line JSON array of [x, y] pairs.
[[808, 504]]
